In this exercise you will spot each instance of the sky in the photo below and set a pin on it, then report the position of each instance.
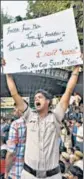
(14, 8)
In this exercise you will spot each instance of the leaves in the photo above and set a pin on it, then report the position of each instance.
(5, 18)
(40, 8)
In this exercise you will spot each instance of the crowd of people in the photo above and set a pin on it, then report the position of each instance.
(46, 142)
(70, 141)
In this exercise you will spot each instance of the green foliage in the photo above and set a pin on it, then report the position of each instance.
(42, 8)
(18, 18)
(78, 12)
(5, 18)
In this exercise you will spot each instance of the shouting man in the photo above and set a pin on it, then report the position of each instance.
(43, 128)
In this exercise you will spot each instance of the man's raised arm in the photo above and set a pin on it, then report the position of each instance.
(14, 93)
(70, 87)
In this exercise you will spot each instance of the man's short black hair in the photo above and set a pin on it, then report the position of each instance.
(79, 121)
(46, 94)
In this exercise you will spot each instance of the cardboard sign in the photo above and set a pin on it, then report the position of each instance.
(42, 43)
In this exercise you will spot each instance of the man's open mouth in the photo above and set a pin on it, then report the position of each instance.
(38, 104)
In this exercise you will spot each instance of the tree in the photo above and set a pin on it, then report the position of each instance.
(18, 18)
(5, 18)
(40, 8)
(78, 12)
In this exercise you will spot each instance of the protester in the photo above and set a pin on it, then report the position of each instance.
(79, 135)
(16, 148)
(16, 145)
(75, 155)
(43, 130)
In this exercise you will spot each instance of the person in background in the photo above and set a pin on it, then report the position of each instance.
(81, 109)
(55, 101)
(74, 131)
(6, 129)
(79, 135)
(62, 149)
(79, 162)
(15, 149)
(77, 114)
(3, 146)
(70, 151)
(64, 157)
(72, 99)
(75, 173)
(3, 151)
(67, 136)
(73, 159)
(3, 124)
(77, 98)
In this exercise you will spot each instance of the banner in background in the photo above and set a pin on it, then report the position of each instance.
(8, 102)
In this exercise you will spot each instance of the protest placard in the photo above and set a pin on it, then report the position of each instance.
(42, 43)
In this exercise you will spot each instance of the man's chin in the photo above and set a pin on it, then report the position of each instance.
(38, 109)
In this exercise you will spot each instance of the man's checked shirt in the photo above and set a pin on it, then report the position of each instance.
(16, 144)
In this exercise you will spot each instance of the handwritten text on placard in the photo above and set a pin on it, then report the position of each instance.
(46, 42)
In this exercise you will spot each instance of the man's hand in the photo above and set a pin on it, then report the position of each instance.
(3, 62)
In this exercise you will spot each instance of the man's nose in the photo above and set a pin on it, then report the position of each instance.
(37, 100)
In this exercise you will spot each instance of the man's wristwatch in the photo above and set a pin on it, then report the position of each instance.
(76, 74)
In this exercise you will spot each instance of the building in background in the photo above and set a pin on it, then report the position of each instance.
(7, 105)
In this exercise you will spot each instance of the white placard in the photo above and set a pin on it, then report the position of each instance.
(45, 42)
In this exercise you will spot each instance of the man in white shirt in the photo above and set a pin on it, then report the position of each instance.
(43, 130)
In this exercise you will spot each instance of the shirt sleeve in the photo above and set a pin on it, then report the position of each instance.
(59, 112)
(13, 138)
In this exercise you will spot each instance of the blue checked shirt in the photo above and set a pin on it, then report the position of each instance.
(16, 145)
